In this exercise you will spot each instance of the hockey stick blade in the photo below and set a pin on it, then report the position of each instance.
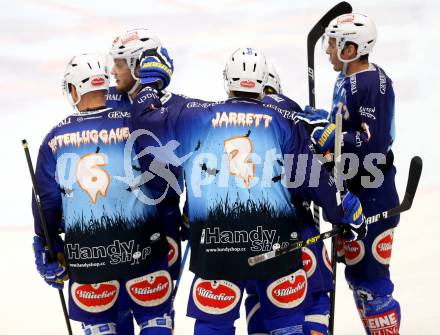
(414, 174)
(319, 28)
(415, 171)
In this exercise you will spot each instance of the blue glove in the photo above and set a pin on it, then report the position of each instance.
(146, 99)
(156, 66)
(313, 115)
(324, 137)
(353, 218)
(53, 272)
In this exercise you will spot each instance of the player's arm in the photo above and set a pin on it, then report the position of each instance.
(50, 193)
(361, 104)
(53, 271)
(319, 186)
(373, 132)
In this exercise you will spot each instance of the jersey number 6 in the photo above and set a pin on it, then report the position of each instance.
(91, 177)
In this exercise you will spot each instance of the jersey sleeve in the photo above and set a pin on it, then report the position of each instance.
(317, 184)
(371, 112)
(292, 105)
(50, 192)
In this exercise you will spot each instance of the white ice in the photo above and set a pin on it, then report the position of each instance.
(39, 37)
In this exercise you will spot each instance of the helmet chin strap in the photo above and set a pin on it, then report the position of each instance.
(345, 62)
(133, 89)
(344, 68)
(74, 103)
(136, 84)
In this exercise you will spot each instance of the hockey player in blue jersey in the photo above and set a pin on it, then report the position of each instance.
(234, 218)
(315, 257)
(365, 95)
(115, 247)
(125, 52)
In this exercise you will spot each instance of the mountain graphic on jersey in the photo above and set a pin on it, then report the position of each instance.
(90, 173)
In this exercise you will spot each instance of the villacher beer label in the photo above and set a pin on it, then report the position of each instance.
(95, 298)
(150, 290)
(382, 246)
(354, 252)
(173, 253)
(288, 291)
(309, 261)
(215, 296)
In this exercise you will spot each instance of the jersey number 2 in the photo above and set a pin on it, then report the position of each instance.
(239, 149)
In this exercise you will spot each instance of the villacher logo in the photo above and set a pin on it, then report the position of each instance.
(215, 296)
(95, 298)
(150, 290)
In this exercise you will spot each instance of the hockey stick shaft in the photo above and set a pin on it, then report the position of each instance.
(179, 277)
(182, 266)
(45, 228)
(312, 38)
(337, 175)
(415, 171)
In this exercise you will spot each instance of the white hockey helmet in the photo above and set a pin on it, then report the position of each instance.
(273, 79)
(132, 44)
(246, 71)
(355, 28)
(87, 72)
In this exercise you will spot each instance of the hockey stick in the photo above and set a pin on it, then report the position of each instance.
(182, 265)
(44, 226)
(337, 175)
(179, 277)
(415, 171)
(314, 35)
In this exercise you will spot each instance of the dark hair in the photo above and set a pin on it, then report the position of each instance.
(269, 90)
(240, 94)
(363, 58)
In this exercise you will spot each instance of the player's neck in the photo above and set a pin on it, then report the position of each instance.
(133, 94)
(91, 102)
(357, 66)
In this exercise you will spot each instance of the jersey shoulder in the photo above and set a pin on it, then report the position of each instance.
(78, 120)
(282, 101)
(170, 98)
(117, 100)
(114, 95)
(283, 106)
(371, 82)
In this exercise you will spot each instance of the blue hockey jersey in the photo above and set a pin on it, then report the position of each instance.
(368, 127)
(89, 189)
(236, 156)
(168, 210)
